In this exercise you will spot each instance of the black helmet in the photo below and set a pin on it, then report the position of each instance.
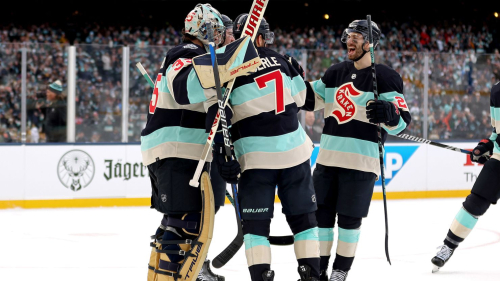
(228, 23)
(361, 26)
(267, 34)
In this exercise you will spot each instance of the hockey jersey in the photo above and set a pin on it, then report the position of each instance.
(495, 118)
(349, 140)
(172, 129)
(265, 129)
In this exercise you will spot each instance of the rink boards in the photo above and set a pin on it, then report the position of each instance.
(47, 176)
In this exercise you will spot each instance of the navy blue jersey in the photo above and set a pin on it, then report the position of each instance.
(349, 140)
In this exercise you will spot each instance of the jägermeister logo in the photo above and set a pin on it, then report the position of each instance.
(76, 169)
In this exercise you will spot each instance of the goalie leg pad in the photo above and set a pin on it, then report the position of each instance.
(187, 239)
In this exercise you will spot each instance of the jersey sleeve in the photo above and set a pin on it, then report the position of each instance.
(294, 82)
(390, 87)
(315, 95)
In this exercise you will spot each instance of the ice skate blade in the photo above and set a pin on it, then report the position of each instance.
(435, 269)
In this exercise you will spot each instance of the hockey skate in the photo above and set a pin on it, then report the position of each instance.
(206, 273)
(338, 275)
(305, 273)
(268, 275)
(441, 258)
(323, 276)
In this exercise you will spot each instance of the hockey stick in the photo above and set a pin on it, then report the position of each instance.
(145, 74)
(250, 29)
(379, 135)
(421, 140)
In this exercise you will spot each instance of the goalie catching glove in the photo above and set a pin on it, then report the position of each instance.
(380, 111)
(482, 152)
(229, 170)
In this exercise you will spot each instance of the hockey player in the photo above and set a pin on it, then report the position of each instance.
(228, 24)
(348, 161)
(273, 150)
(486, 189)
(171, 144)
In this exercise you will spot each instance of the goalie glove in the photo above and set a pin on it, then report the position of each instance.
(380, 111)
(229, 169)
(296, 65)
(482, 152)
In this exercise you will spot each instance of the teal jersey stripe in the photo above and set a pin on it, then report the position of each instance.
(466, 219)
(173, 134)
(309, 234)
(255, 240)
(281, 143)
(493, 138)
(350, 145)
(349, 235)
(495, 113)
(326, 234)
(297, 84)
(399, 128)
(358, 100)
(249, 92)
(319, 87)
(196, 94)
(391, 96)
(163, 87)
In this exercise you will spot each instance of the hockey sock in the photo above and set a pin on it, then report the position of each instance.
(306, 241)
(349, 230)
(326, 222)
(257, 247)
(462, 225)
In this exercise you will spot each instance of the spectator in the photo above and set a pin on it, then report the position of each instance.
(312, 130)
(54, 111)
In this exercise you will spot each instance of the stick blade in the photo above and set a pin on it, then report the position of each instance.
(228, 253)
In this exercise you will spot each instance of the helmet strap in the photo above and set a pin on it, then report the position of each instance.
(362, 55)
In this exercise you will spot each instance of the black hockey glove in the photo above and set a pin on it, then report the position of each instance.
(380, 111)
(482, 152)
(229, 170)
(296, 65)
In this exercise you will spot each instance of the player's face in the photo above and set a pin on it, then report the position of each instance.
(229, 36)
(355, 42)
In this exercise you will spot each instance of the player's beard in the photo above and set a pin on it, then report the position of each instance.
(357, 53)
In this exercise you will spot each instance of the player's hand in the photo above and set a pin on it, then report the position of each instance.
(296, 65)
(380, 111)
(229, 169)
(482, 152)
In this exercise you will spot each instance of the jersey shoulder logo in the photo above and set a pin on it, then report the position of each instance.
(353, 76)
(190, 46)
(342, 98)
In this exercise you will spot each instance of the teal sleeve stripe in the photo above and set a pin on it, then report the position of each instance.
(350, 145)
(309, 234)
(163, 87)
(363, 99)
(173, 134)
(240, 58)
(319, 87)
(326, 234)
(495, 113)
(196, 94)
(281, 143)
(466, 219)
(255, 240)
(398, 129)
(297, 85)
(493, 138)
(349, 235)
(330, 95)
(391, 96)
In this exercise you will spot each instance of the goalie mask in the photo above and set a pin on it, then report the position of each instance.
(196, 20)
(264, 30)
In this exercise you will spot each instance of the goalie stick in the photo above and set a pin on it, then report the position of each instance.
(379, 135)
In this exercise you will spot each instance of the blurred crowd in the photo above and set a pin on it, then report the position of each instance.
(464, 62)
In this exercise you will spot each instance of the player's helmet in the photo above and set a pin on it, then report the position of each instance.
(361, 26)
(228, 23)
(195, 24)
(267, 34)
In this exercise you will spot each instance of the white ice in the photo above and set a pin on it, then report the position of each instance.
(113, 244)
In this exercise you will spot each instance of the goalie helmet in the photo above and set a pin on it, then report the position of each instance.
(264, 30)
(195, 24)
(361, 26)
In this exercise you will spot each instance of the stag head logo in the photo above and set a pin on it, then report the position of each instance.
(76, 169)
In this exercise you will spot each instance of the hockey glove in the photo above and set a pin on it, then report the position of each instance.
(482, 152)
(229, 169)
(380, 111)
(296, 65)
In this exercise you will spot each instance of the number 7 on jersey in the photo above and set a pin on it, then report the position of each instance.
(262, 82)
